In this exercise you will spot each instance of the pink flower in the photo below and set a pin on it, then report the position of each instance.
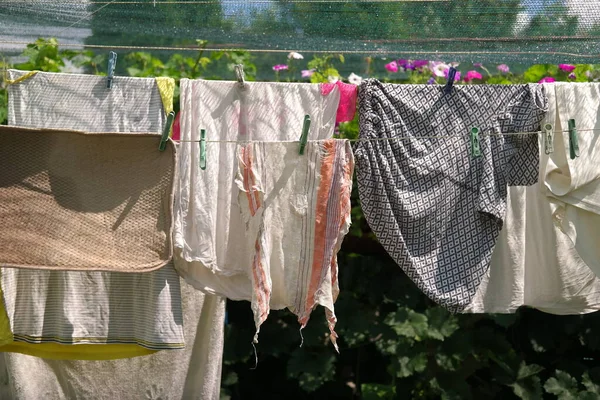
(307, 73)
(280, 67)
(503, 68)
(456, 77)
(547, 79)
(472, 75)
(567, 67)
(392, 67)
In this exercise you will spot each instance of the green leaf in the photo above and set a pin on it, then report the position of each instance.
(311, 370)
(590, 385)
(564, 386)
(132, 71)
(442, 324)
(407, 366)
(581, 72)
(536, 72)
(526, 371)
(588, 396)
(230, 379)
(451, 388)
(408, 323)
(528, 389)
(373, 391)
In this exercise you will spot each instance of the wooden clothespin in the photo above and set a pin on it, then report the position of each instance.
(112, 63)
(166, 131)
(573, 140)
(304, 136)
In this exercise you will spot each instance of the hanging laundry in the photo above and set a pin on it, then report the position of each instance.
(45, 100)
(296, 209)
(348, 95)
(128, 314)
(217, 247)
(573, 183)
(436, 207)
(535, 264)
(80, 201)
(193, 373)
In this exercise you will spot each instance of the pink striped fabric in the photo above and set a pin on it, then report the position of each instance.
(297, 211)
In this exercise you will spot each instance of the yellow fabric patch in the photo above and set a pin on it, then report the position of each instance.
(166, 88)
(55, 351)
(21, 79)
(6, 335)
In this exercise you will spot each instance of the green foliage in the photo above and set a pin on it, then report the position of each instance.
(394, 342)
(324, 67)
(44, 55)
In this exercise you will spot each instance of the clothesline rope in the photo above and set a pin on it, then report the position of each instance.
(393, 138)
(365, 52)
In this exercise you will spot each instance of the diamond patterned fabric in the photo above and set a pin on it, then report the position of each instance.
(435, 208)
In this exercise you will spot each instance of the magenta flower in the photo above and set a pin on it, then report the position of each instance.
(392, 67)
(420, 63)
(547, 79)
(456, 77)
(402, 63)
(472, 75)
(566, 67)
(503, 68)
(572, 76)
(307, 73)
(280, 67)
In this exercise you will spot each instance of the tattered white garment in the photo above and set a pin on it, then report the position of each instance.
(214, 236)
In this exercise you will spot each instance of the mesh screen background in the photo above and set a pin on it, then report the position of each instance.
(517, 31)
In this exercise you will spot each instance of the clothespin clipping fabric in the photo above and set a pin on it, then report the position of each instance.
(573, 140)
(548, 139)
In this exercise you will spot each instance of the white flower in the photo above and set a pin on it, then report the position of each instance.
(70, 68)
(439, 69)
(332, 79)
(295, 56)
(354, 79)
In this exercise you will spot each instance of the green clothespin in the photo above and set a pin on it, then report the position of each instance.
(548, 139)
(165, 135)
(304, 137)
(573, 140)
(112, 63)
(202, 149)
(475, 148)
